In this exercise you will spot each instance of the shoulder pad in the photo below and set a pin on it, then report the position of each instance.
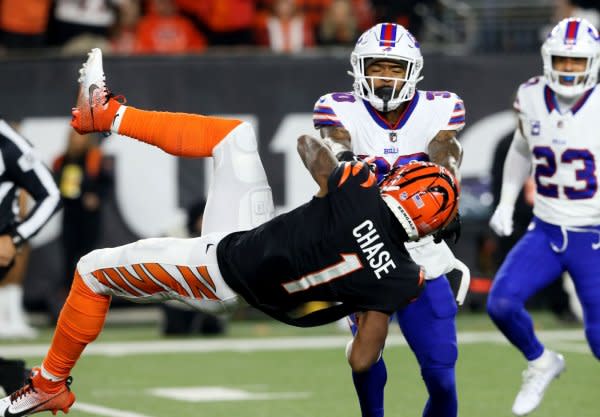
(324, 113)
(450, 107)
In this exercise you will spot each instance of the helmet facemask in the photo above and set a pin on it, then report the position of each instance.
(385, 98)
(581, 81)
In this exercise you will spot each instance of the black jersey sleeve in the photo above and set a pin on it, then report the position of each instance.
(27, 171)
(351, 174)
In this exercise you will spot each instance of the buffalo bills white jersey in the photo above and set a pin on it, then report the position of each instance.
(384, 145)
(565, 151)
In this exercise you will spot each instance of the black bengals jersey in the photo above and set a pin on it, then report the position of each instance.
(346, 248)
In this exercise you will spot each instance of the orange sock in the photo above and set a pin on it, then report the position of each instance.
(80, 322)
(179, 134)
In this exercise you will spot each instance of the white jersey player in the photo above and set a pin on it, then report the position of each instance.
(557, 141)
(387, 122)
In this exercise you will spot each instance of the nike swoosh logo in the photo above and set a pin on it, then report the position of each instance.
(7, 413)
(115, 119)
(91, 90)
(208, 246)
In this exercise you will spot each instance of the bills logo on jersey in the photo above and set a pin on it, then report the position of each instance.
(535, 127)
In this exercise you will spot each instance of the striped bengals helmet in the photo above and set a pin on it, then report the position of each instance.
(422, 195)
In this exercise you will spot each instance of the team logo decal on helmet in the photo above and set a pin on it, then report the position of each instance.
(390, 42)
(576, 38)
(422, 195)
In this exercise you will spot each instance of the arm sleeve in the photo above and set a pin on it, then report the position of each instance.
(28, 172)
(517, 167)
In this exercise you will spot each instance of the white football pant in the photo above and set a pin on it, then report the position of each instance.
(160, 269)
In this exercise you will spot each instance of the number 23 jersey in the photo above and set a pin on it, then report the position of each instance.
(565, 151)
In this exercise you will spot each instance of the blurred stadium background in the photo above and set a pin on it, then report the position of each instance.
(480, 49)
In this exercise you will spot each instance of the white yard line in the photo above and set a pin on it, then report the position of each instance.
(270, 344)
(99, 410)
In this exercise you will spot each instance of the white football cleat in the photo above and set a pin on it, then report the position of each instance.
(31, 399)
(95, 107)
(536, 380)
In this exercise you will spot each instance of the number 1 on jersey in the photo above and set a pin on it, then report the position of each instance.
(350, 263)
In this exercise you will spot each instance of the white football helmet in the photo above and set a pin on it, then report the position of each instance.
(577, 38)
(386, 41)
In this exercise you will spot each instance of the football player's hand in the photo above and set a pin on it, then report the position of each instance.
(451, 232)
(502, 220)
(7, 250)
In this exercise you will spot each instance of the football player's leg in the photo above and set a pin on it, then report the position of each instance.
(530, 266)
(239, 197)
(583, 263)
(162, 268)
(429, 328)
(79, 323)
(180, 134)
(369, 385)
(147, 270)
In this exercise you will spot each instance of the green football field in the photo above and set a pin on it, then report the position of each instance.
(265, 369)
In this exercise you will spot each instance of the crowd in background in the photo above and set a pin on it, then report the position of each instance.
(285, 26)
(184, 26)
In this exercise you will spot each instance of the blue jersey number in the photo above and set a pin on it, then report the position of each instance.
(549, 166)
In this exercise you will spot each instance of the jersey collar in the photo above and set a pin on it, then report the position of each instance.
(551, 104)
(382, 122)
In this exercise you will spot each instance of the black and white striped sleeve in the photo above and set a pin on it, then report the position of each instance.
(26, 170)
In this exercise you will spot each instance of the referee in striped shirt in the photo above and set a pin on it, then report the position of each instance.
(20, 169)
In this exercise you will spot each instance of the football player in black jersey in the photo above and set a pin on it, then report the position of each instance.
(345, 246)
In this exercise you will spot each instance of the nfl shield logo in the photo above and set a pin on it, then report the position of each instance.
(535, 127)
(393, 137)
